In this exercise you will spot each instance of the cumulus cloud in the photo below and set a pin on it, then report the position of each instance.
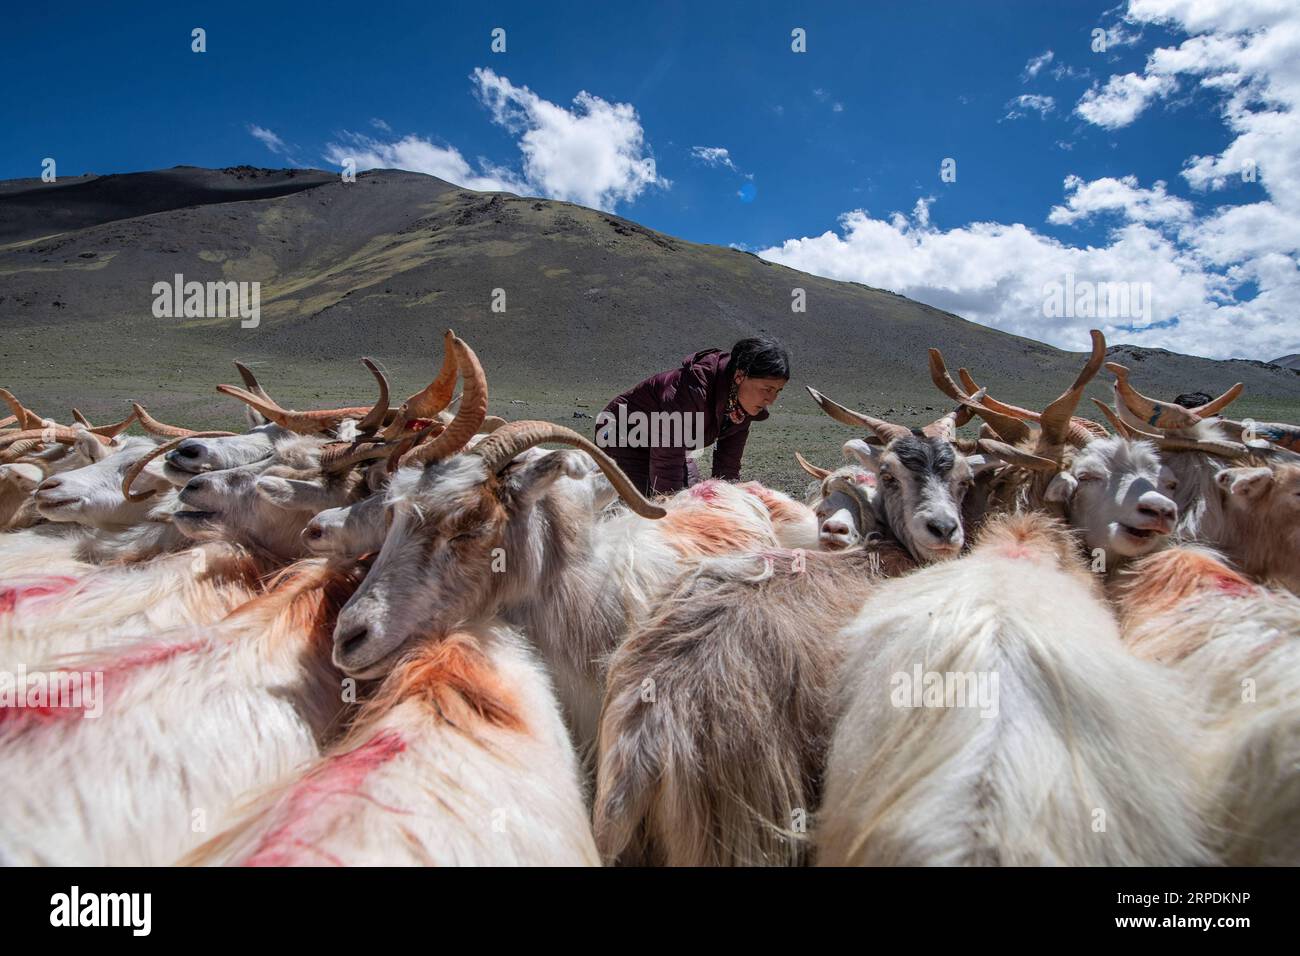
(1223, 281)
(594, 154)
(419, 155)
(1087, 199)
(1030, 102)
(1122, 99)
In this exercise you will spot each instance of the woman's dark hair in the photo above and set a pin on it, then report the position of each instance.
(760, 358)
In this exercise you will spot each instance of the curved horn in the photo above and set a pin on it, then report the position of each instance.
(1011, 429)
(374, 419)
(1054, 423)
(19, 448)
(500, 448)
(112, 431)
(340, 456)
(1079, 433)
(818, 473)
(1122, 428)
(1150, 411)
(946, 426)
(434, 397)
(26, 418)
(8, 420)
(1277, 433)
(63, 434)
(80, 418)
(470, 415)
(1014, 456)
(304, 423)
(1220, 403)
(155, 427)
(251, 383)
(139, 464)
(1207, 446)
(885, 431)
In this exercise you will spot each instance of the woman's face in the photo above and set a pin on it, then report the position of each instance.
(755, 394)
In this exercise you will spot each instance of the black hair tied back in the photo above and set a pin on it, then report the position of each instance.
(761, 358)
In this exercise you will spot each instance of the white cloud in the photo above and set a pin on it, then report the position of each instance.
(1224, 280)
(1086, 199)
(714, 156)
(273, 142)
(268, 139)
(1027, 102)
(420, 156)
(594, 154)
(1035, 64)
(381, 125)
(1122, 99)
(996, 274)
(837, 107)
(1065, 71)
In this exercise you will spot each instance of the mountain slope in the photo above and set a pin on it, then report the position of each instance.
(379, 267)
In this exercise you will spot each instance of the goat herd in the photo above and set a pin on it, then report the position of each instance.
(412, 636)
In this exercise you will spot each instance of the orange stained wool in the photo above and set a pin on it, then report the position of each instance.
(699, 532)
(781, 509)
(1170, 579)
(1029, 536)
(453, 679)
(303, 599)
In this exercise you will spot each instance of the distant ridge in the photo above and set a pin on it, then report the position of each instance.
(593, 302)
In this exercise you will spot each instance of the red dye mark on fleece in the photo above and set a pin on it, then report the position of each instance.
(1233, 586)
(111, 673)
(705, 490)
(41, 587)
(344, 775)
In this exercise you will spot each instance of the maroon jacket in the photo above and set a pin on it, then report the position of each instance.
(700, 384)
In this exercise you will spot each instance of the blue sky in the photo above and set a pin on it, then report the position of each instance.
(823, 148)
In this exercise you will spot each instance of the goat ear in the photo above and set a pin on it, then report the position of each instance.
(1247, 483)
(293, 494)
(523, 484)
(866, 455)
(89, 446)
(603, 494)
(254, 417)
(1062, 487)
(23, 476)
(153, 477)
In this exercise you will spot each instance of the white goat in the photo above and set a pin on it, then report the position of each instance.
(1079, 754)
(461, 759)
(191, 719)
(1237, 645)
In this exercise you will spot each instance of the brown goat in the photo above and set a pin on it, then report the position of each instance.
(716, 721)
